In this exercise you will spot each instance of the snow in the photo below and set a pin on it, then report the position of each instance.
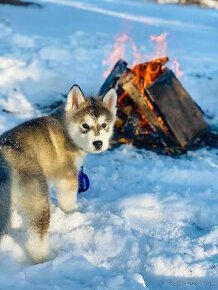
(147, 221)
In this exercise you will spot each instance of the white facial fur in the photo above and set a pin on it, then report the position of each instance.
(85, 140)
(83, 137)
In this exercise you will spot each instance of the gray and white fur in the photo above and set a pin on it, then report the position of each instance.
(51, 148)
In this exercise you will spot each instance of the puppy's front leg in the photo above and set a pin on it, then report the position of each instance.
(67, 189)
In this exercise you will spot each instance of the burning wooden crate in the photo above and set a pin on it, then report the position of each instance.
(154, 109)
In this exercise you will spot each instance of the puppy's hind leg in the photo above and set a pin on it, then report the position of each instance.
(34, 204)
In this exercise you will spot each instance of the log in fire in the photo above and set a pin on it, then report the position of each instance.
(154, 109)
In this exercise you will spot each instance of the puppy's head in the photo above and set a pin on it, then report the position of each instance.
(90, 121)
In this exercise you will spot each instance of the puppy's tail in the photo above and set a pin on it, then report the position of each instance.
(5, 195)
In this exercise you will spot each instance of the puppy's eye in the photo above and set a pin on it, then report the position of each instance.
(85, 126)
(104, 125)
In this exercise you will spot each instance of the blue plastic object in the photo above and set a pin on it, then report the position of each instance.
(83, 181)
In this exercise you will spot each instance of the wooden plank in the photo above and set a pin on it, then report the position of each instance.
(110, 82)
(143, 108)
(182, 115)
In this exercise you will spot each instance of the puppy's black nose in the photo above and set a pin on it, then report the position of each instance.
(97, 144)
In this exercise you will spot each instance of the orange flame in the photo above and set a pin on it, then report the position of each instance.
(119, 50)
(160, 43)
(144, 74)
(137, 56)
(176, 68)
(147, 72)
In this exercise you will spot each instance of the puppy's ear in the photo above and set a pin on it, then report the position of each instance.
(75, 98)
(110, 99)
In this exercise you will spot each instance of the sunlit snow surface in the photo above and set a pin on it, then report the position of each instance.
(147, 220)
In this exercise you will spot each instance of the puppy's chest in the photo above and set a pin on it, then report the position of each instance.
(65, 163)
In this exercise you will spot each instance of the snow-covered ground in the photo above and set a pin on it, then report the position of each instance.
(147, 220)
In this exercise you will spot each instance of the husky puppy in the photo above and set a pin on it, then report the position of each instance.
(51, 148)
